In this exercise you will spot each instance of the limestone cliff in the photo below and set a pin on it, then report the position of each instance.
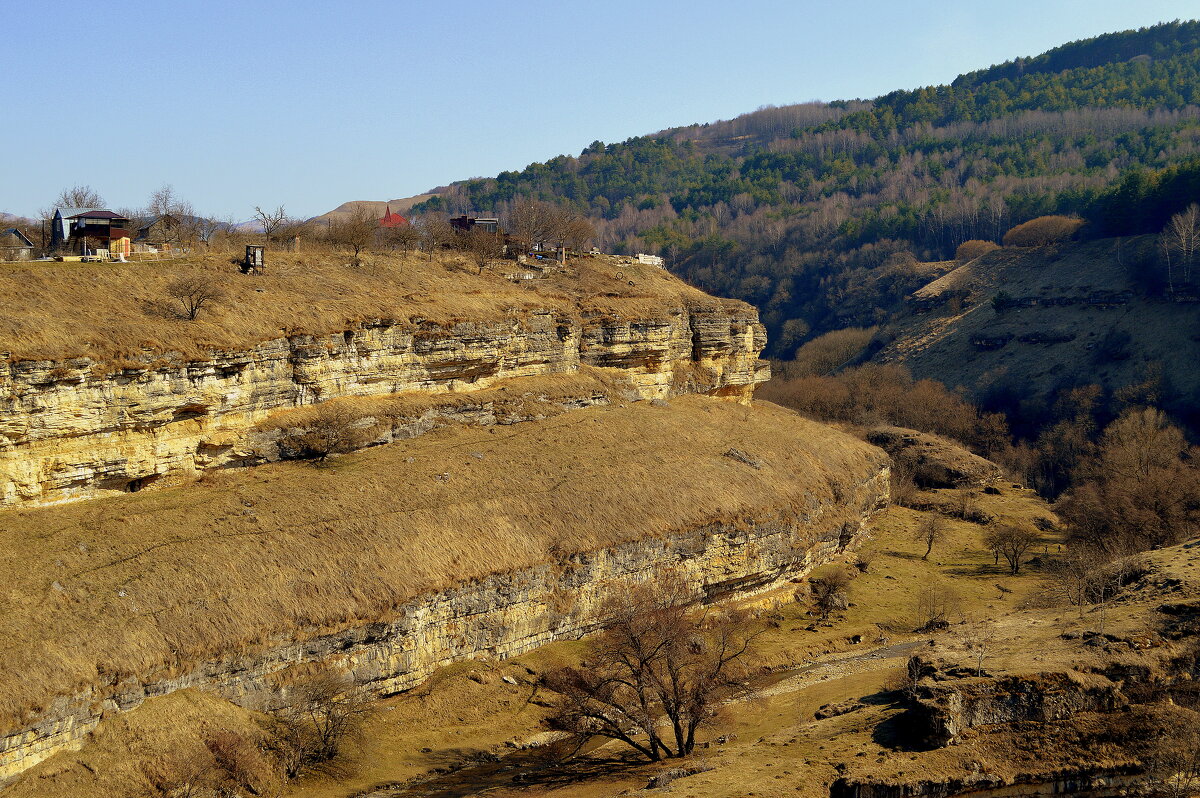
(465, 542)
(69, 430)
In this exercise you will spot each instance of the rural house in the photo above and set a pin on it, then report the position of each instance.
(15, 245)
(86, 229)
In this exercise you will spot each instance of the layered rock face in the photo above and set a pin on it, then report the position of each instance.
(504, 614)
(67, 432)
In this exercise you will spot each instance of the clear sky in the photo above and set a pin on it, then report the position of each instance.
(309, 104)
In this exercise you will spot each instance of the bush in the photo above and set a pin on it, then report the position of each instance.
(333, 429)
(830, 591)
(1042, 231)
(975, 248)
(325, 709)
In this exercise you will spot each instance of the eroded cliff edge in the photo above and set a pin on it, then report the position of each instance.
(468, 541)
(116, 420)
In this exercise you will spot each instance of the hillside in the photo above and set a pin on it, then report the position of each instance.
(400, 559)
(400, 206)
(1077, 316)
(793, 208)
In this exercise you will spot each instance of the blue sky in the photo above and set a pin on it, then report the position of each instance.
(310, 104)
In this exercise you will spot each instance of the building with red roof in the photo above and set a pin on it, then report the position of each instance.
(392, 219)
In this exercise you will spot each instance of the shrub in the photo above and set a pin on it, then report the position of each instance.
(830, 591)
(975, 248)
(826, 353)
(333, 429)
(1042, 231)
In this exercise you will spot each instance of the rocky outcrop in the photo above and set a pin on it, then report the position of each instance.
(943, 710)
(73, 429)
(933, 461)
(499, 616)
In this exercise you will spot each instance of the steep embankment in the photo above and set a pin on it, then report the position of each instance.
(105, 391)
(467, 541)
(1074, 317)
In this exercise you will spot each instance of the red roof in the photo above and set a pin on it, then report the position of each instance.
(392, 219)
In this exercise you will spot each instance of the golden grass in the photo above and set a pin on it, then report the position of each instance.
(117, 312)
(151, 583)
(778, 749)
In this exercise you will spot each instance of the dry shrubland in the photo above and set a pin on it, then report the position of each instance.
(875, 394)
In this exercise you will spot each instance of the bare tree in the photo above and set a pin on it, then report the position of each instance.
(272, 221)
(978, 640)
(333, 429)
(482, 246)
(78, 197)
(193, 294)
(435, 231)
(1180, 242)
(935, 604)
(1011, 543)
(357, 231)
(656, 675)
(324, 710)
(931, 530)
(403, 238)
(830, 591)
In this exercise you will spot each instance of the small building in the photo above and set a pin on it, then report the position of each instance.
(489, 224)
(392, 220)
(15, 245)
(86, 230)
(159, 232)
(650, 260)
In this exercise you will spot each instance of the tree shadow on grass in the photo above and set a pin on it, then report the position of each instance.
(456, 776)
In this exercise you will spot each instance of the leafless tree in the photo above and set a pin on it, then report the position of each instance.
(1011, 543)
(357, 231)
(655, 675)
(830, 591)
(936, 603)
(435, 232)
(403, 238)
(333, 429)
(482, 246)
(930, 531)
(1180, 242)
(272, 221)
(78, 197)
(193, 294)
(978, 639)
(323, 711)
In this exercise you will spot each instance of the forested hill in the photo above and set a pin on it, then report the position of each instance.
(817, 212)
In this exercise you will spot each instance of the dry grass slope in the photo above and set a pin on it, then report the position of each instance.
(152, 583)
(111, 312)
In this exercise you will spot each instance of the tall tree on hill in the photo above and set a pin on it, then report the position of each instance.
(1180, 241)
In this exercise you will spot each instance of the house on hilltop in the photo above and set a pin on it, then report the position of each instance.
(86, 229)
(15, 245)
